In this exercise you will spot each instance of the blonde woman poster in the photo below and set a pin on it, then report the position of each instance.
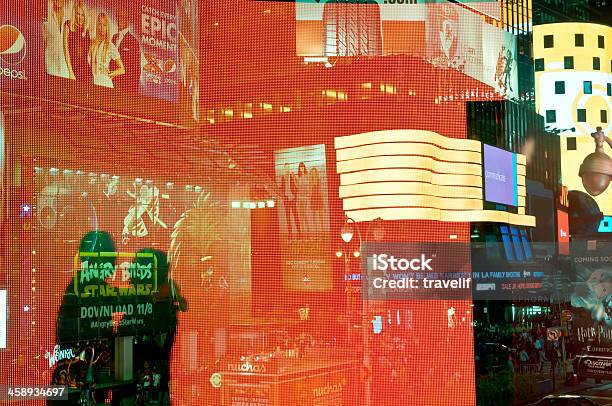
(77, 41)
(102, 52)
(53, 38)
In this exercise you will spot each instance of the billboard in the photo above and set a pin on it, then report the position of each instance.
(573, 94)
(592, 283)
(131, 48)
(500, 180)
(447, 35)
(138, 50)
(301, 177)
(499, 67)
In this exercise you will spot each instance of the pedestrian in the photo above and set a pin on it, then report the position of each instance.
(146, 381)
(523, 358)
(542, 358)
(156, 384)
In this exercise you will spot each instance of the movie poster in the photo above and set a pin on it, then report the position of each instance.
(129, 46)
(301, 177)
(591, 298)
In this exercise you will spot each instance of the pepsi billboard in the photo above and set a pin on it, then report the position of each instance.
(136, 58)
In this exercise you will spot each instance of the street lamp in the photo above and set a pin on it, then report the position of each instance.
(347, 231)
(596, 169)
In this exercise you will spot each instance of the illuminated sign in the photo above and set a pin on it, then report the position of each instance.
(3, 318)
(572, 95)
(145, 48)
(421, 175)
(563, 230)
(96, 275)
(58, 355)
(500, 176)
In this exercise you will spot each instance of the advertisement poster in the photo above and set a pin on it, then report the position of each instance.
(188, 56)
(591, 299)
(130, 46)
(454, 39)
(500, 181)
(499, 56)
(595, 367)
(301, 178)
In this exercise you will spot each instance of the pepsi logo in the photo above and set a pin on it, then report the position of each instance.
(12, 45)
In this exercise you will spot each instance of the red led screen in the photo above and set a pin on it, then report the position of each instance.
(206, 263)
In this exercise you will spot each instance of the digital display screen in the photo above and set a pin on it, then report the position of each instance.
(446, 35)
(500, 181)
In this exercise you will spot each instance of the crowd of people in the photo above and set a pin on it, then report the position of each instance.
(153, 384)
(521, 349)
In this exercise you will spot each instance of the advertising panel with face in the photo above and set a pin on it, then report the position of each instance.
(301, 177)
(591, 299)
(500, 181)
(584, 106)
(130, 47)
(454, 38)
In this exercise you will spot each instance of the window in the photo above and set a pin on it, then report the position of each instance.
(581, 115)
(601, 41)
(526, 244)
(568, 62)
(587, 87)
(507, 243)
(539, 64)
(603, 115)
(516, 242)
(560, 87)
(609, 89)
(596, 64)
(551, 116)
(579, 40)
(548, 41)
(571, 143)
